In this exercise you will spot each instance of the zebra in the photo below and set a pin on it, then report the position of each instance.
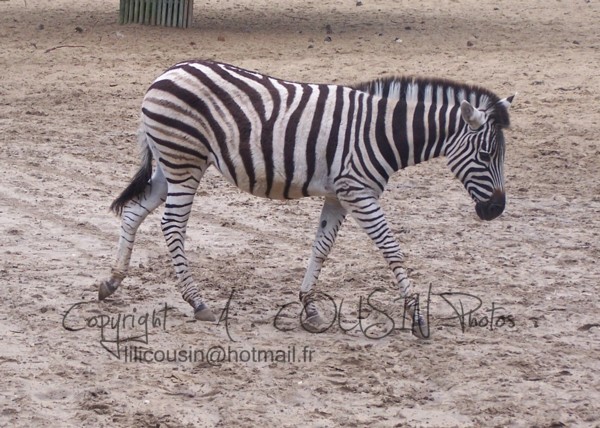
(282, 140)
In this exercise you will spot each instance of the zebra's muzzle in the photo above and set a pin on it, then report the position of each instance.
(491, 208)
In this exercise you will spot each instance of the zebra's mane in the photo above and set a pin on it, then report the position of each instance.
(417, 89)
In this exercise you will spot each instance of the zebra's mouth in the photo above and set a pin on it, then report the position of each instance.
(491, 208)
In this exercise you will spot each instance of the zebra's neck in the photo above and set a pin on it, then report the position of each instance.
(422, 116)
(420, 130)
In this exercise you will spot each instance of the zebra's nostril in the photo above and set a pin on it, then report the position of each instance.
(496, 210)
(491, 209)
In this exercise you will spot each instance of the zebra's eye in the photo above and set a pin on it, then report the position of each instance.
(484, 156)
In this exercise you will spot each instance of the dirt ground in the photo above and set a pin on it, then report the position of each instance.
(72, 82)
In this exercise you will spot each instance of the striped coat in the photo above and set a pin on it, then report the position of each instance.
(282, 140)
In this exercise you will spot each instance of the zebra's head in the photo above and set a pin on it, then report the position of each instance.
(477, 156)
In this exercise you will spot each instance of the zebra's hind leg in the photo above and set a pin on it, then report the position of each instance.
(134, 213)
(367, 212)
(178, 207)
(332, 216)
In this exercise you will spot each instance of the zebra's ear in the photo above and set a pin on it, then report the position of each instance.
(506, 102)
(475, 118)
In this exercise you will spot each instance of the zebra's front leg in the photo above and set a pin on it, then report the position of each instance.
(367, 212)
(178, 207)
(332, 216)
(134, 213)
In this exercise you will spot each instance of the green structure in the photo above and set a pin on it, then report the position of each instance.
(168, 13)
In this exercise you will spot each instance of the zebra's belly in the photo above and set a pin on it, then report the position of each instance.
(276, 184)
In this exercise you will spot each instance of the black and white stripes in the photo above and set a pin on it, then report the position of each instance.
(283, 140)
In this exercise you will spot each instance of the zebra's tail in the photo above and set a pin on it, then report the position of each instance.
(139, 181)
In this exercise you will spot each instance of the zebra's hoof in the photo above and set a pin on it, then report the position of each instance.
(314, 324)
(202, 313)
(420, 329)
(105, 289)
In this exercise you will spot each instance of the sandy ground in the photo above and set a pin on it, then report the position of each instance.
(72, 82)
